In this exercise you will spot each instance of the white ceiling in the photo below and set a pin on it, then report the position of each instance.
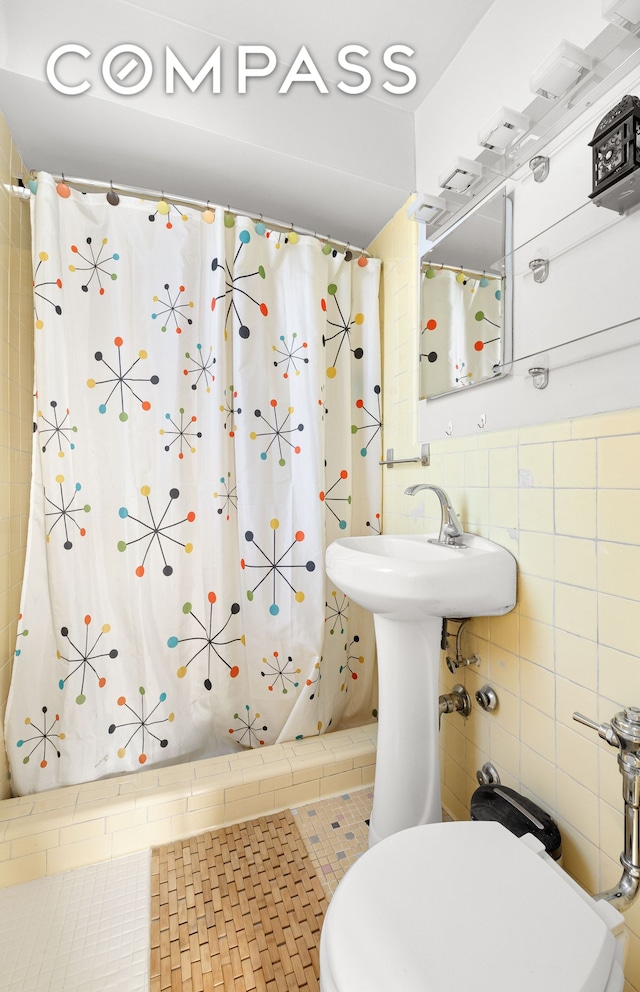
(337, 164)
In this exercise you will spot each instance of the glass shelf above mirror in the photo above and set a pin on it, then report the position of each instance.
(606, 340)
(583, 224)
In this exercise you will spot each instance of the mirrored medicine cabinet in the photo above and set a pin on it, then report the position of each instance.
(466, 293)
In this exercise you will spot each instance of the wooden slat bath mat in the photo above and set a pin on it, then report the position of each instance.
(236, 910)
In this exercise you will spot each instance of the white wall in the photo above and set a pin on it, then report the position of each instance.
(492, 70)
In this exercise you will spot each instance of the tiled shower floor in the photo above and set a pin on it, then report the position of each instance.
(84, 930)
(88, 930)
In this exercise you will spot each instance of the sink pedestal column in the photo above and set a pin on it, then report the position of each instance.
(407, 780)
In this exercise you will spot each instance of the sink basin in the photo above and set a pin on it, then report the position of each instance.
(410, 585)
(409, 577)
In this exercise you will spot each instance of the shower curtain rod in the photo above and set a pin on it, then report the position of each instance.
(100, 186)
(461, 268)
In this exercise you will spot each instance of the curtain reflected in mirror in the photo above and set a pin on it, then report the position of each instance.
(463, 305)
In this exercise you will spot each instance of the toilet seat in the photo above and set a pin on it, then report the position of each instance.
(446, 906)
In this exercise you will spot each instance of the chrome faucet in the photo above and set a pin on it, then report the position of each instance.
(450, 527)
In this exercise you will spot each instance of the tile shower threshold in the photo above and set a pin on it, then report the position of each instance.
(53, 832)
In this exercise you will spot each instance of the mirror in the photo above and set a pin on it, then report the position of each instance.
(465, 285)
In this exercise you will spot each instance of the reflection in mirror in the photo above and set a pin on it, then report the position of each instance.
(465, 301)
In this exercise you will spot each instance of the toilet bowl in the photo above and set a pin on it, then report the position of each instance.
(449, 906)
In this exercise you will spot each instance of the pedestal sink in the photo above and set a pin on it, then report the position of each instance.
(410, 583)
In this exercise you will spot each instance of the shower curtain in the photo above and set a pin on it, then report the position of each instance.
(207, 419)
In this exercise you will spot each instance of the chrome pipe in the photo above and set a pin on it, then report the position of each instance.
(624, 733)
(624, 894)
(456, 701)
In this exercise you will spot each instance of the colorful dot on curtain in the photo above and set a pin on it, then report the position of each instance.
(163, 207)
(244, 237)
(498, 294)
(480, 315)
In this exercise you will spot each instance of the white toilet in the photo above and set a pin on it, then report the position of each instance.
(468, 906)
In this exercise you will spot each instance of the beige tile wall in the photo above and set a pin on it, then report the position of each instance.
(564, 498)
(16, 411)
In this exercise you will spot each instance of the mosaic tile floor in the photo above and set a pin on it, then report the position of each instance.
(335, 832)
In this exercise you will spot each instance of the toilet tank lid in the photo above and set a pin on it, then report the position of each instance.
(428, 902)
